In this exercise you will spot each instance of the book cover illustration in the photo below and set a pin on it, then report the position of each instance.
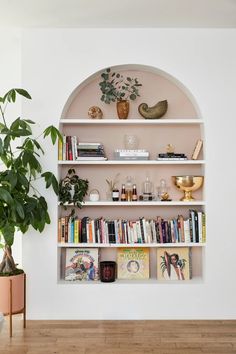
(81, 264)
(174, 263)
(133, 263)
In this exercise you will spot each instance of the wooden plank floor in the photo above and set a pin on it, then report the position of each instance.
(120, 337)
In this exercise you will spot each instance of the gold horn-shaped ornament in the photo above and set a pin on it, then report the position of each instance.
(154, 112)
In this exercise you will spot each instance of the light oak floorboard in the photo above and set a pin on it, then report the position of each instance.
(119, 337)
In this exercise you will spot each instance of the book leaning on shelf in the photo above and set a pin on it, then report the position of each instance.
(133, 263)
(141, 231)
(174, 264)
(81, 264)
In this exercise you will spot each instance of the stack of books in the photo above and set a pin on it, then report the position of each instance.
(90, 151)
(171, 156)
(120, 154)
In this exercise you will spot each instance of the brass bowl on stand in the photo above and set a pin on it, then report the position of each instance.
(188, 184)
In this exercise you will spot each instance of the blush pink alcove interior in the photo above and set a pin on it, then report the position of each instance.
(156, 86)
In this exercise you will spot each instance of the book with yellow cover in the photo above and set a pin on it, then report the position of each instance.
(174, 263)
(133, 263)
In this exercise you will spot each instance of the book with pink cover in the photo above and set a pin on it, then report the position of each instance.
(133, 263)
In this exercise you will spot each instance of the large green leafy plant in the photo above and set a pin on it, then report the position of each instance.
(21, 205)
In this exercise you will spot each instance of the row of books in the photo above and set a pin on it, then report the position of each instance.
(82, 264)
(71, 150)
(71, 229)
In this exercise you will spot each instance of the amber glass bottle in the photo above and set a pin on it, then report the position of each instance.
(134, 193)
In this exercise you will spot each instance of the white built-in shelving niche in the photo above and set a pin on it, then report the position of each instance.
(180, 126)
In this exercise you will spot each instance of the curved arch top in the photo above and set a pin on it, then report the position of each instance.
(157, 85)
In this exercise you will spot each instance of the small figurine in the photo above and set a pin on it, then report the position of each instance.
(95, 112)
(170, 149)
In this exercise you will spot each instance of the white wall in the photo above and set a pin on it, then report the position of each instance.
(54, 62)
(10, 76)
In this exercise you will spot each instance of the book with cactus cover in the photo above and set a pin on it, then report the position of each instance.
(133, 263)
(174, 263)
(81, 264)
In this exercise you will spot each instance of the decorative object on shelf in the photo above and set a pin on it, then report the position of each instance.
(94, 195)
(162, 191)
(123, 193)
(111, 186)
(72, 189)
(115, 195)
(134, 193)
(128, 188)
(170, 149)
(122, 108)
(117, 88)
(197, 149)
(107, 271)
(95, 112)
(21, 205)
(131, 142)
(188, 184)
(154, 112)
(147, 191)
(174, 264)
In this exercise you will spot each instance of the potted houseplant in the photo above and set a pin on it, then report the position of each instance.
(117, 88)
(72, 189)
(21, 205)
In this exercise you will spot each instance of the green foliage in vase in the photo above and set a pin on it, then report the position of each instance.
(116, 87)
(21, 205)
(72, 189)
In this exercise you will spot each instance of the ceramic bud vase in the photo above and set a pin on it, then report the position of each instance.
(122, 109)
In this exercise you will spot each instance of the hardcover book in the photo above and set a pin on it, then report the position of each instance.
(81, 264)
(133, 263)
(174, 263)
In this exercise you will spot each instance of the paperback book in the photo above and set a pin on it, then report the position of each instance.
(133, 263)
(174, 264)
(81, 264)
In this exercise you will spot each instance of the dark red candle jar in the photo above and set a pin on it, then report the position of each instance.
(107, 271)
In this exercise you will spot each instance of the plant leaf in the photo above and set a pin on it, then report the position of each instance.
(5, 196)
(23, 92)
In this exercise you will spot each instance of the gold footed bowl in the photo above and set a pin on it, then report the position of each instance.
(188, 184)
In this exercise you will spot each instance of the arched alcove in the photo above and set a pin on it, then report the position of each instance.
(157, 85)
(180, 126)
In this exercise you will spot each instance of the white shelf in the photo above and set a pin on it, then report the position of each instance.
(154, 281)
(140, 121)
(132, 162)
(125, 245)
(140, 203)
